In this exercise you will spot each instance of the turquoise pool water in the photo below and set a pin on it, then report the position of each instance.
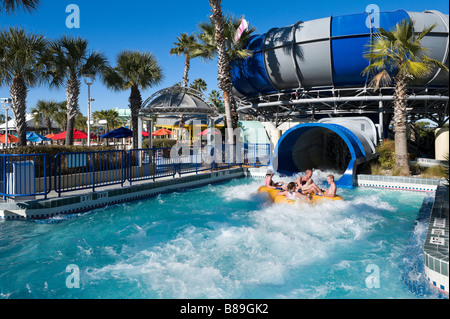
(219, 241)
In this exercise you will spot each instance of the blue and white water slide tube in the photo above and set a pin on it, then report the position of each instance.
(328, 53)
(340, 146)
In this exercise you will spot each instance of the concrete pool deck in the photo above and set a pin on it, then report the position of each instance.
(436, 249)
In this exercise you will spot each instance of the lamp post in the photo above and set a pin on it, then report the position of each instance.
(89, 79)
(6, 102)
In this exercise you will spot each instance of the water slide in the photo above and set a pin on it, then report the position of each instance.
(327, 54)
(337, 145)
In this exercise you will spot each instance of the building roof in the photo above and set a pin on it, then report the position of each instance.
(178, 100)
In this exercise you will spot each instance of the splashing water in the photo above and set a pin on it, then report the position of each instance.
(217, 241)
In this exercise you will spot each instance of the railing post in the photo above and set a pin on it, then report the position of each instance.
(45, 176)
(4, 176)
(93, 172)
(58, 156)
(153, 152)
(123, 159)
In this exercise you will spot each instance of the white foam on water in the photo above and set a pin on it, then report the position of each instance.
(219, 260)
(241, 192)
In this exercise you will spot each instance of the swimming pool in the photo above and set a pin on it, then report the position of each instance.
(219, 241)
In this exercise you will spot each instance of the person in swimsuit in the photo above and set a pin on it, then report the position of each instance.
(331, 192)
(307, 185)
(270, 183)
(291, 192)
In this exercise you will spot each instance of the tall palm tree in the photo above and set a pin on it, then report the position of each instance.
(399, 56)
(185, 46)
(12, 6)
(69, 59)
(45, 111)
(21, 67)
(218, 36)
(135, 71)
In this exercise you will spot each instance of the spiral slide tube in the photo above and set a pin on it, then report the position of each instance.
(328, 53)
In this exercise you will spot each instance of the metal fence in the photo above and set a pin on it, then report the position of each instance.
(38, 174)
(25, 175)
(83, 170)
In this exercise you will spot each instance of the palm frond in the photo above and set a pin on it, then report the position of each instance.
(13, 6)
(382, 79)
(434, 62)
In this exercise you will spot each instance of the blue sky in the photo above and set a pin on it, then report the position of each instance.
(113, 26)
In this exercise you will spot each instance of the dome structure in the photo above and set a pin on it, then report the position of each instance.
(178, 100)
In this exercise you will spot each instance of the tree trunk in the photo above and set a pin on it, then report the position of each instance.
(72, 94)
(223, 65)
(187, 67)
(135, 105)
(18, 92)
(400, 121)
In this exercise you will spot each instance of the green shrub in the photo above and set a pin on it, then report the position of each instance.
(52, 150)
(386, 154)
(159, 143)
(435, 171)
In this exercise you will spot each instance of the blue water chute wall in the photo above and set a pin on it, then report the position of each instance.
(305, 147)
(328, 52)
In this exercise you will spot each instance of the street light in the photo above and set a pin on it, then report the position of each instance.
(6, 102)
(89, 79)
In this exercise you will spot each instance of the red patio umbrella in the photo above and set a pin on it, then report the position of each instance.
(11, 139)
(161, 132)
(77, 135)
(205, 132)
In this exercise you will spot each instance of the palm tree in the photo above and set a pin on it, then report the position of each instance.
(199, 85)
(218, 36)
(45, 110)
(111, 117)
(21, 67)
(69, 59)
(399, 56)
(60, 117)
(186, 45)
(12, 6)
(135, 71)
(80, 122)
(215, 98)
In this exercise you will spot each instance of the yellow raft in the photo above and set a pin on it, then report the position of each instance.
(273, 193)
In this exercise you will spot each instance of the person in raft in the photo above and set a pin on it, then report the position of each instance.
(270, 183)
(331, 191)
(292, 193)
(306, 185)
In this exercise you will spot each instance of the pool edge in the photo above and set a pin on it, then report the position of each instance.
(87, 201)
